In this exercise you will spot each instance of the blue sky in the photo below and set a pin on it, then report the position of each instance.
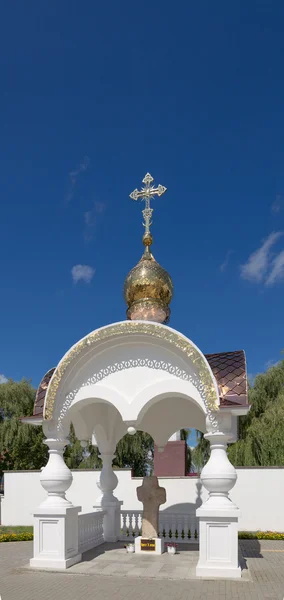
(94, 95)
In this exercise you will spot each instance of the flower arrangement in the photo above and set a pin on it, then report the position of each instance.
(130, 547)
(172, 547)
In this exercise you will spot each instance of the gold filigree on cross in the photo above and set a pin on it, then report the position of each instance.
(147, 192)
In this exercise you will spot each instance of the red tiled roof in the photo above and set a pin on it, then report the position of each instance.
(229, 369)
(41, 391)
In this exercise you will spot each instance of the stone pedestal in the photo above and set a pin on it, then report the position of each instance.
(218, 548)
(56, 538)
(218, 516)
(141, 545)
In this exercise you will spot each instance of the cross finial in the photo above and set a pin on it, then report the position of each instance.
(146, 193)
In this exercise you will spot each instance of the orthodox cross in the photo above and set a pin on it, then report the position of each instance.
(146, 193)
(152, 496)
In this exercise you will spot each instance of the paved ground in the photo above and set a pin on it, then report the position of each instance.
(264, 578)
(112, 559)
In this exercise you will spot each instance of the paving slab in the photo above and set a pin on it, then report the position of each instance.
(126, 576)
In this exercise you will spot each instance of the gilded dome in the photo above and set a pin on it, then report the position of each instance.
(148, 289)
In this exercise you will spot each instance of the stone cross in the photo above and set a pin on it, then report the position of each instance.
(152, 496)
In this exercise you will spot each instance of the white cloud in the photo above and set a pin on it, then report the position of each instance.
(82, 273)
(73, 176)
(3, 379)
(91, 219)
(259, 261)
(277, 271)
(271, 363)
(278, 204)
(224, 264)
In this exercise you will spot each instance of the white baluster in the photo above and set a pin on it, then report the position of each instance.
(136, 532)
(124, 525)
(167, 530)
(179, 527)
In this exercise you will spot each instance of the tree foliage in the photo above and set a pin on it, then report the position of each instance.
(261, 431)
(77, 457)
(184, 433)
(201, 452)
(136, 452)
(21, 445)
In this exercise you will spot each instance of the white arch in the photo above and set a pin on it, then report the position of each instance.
(112, 341)
(168, 387)
(95, 393)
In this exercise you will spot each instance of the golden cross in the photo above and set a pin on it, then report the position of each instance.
(146, 193)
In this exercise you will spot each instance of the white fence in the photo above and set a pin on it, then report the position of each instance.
(259, 494)
(90, 530)
(180, 528)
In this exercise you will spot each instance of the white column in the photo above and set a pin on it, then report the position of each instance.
(107, 484)
(218, 515)
(56, 519)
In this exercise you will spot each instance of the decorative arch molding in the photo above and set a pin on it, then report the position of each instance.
(154, 393)
(207, 383)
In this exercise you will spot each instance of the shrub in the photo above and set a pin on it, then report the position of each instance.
(260, 535)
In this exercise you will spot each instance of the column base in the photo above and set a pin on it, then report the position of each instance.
(61, 563)
(159, 545)
(218, 543)
(217, 573)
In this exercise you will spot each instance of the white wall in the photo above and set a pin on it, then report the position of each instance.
(258, 493)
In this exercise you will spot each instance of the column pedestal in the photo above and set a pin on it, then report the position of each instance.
(56, 538)
(218, 549)
(218, 515)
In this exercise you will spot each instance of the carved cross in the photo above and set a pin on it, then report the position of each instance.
(152, 496)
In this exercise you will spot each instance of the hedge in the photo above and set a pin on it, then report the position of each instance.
(243, 535)
(260, 535)
(16, 537)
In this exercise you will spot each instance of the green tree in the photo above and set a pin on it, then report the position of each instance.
(77, 457)
(184, 433)
(136, 452)
(201, 452)
(261, 431)
(21, 445)
(265, 390)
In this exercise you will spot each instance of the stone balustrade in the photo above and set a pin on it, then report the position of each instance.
(90, 530)
(174, 527)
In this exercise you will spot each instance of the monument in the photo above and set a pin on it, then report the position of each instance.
(152, 496)
(140, 375)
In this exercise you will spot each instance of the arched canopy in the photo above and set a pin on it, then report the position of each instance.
(139, 373)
